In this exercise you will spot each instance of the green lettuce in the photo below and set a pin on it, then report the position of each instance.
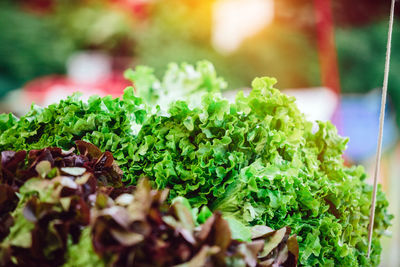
(82, 253)
(257, 160)
(180, 82)
(108, 123)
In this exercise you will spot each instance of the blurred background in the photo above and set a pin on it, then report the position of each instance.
(328, 53)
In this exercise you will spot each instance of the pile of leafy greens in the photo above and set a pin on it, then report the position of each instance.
(64, 209)
(256, 160)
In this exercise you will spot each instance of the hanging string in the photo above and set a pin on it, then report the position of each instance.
(380, 135)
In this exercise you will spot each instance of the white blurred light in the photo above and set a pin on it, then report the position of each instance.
(235, 20)
(316, 103)
(88, 67)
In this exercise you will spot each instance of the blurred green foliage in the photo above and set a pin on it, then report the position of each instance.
(95, 25)
(281, 52)
(181, 35)
(35, 45)
(29, 47)
(361, 53)
(185, 34)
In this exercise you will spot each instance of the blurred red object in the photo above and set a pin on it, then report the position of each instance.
(327, 52)
(44, 90)
(38, 6)
(138, 7)
(326, 45)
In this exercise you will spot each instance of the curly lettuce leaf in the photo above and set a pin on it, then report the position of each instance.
(180, 82)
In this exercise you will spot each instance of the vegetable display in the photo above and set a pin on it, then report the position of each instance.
(256, 160)
(22, 49)
(65, 205)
